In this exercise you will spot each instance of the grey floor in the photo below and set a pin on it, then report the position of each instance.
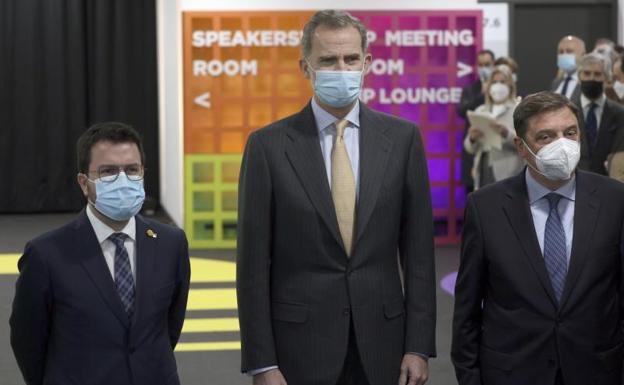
(195, 368)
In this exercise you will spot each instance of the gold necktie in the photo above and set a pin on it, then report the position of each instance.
(343, 186)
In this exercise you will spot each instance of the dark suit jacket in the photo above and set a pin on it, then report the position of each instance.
(68, 325)
(611, 124)
(471, 98)
(507, 327)
(297, 290)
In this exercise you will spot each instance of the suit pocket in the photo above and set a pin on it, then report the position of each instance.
(610, 359)
(394, 308)
(289, 312)
(494, 359)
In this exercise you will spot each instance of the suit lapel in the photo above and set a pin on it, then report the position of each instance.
(89, 252)
(146, 247)
(374, 151)
(518, 212)
(304, 153)
(586, 211)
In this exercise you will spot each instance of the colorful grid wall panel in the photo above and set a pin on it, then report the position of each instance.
(231, 90)
(211, 200)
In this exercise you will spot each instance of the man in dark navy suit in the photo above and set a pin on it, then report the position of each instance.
(539, 289)
(102, 299)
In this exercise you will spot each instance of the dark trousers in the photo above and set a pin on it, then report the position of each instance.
(352, 371)
(558, 379)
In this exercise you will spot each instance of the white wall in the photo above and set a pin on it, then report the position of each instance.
(170, 108)
(170, 67)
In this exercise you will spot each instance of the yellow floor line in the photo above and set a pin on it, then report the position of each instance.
(207, 346)
(8, 263)
(202, 270)
(212, 299)
(203, 325)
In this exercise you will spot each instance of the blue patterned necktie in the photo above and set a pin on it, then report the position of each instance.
(555, 247)
(123, 273)
(591, 126)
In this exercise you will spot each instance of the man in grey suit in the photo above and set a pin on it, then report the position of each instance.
(326, 199)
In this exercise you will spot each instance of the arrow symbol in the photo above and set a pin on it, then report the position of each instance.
(463, 69)
(203, 100)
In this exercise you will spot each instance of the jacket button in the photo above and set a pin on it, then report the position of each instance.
(132, 350)
(346, 311)
(551, 363)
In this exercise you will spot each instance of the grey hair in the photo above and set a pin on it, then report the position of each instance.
(596, 58)
(333, 19)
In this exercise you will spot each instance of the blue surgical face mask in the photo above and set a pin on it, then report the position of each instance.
(485, 73)
(121, 199)
(566, 62)
(337, 88)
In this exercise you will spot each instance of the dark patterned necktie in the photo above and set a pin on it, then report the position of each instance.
(123, 273)
(555, 247)
(591, 126)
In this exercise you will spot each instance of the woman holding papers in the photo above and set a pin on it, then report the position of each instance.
(491, 133)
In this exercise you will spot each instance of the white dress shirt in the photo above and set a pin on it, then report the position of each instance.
(102, 232)
(574, 81)
(540, 208)
(600, 102)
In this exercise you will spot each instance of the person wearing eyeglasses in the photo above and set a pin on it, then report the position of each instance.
(102, 299)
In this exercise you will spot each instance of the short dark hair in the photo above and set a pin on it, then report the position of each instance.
(333, 19)
(537, 104)
(487, 52)
(114, 132)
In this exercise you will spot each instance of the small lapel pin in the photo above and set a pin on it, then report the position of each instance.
(151, 233)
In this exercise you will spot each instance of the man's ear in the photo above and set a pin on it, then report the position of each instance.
(305, 68)
(82, 180)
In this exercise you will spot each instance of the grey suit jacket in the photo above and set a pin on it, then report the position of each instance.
(298, 292)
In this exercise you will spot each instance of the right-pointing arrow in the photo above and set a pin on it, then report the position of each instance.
(463, 69)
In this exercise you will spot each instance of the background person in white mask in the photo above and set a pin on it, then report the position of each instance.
(538, 296)
(569, 51)
(492, 164)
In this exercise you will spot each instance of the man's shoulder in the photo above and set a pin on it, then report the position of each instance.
(390, 121)
(495, 191)
(604, 184)
(65, 234)
(616, 108)
(279, 126)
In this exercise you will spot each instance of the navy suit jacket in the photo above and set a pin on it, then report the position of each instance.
(68, 325)
(508, 328)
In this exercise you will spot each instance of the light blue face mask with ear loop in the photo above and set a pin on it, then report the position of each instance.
(337, 88)
(121, 199)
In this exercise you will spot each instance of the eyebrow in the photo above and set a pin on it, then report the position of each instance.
(548, 130)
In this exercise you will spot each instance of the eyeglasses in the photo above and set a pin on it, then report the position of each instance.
(109, 173)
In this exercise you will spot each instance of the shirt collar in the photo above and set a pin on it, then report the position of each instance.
(537, 191)
(324, 119)
(103, 231)
(585, 102)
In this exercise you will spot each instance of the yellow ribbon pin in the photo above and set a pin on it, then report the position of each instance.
(151, 233)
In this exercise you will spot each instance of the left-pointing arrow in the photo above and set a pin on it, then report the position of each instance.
(203, 100)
